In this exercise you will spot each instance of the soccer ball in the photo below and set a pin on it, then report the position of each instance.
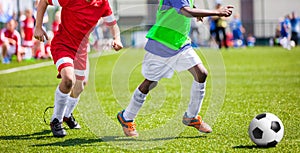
(293, 44)
(266, 130)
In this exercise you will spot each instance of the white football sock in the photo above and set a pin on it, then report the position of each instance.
(60, 105)
(197, 95)
(136, 102)
(71, 104)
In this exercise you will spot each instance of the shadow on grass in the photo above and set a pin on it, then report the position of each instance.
(37, 135)
(250, 147)
(85, 141)
(90, 141)
(31, 86)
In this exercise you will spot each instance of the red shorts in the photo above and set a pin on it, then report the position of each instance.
(65, 57)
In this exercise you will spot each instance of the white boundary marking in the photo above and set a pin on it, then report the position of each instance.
(27, 67)
(49, 63)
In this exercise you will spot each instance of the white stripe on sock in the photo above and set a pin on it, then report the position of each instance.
(136, 102)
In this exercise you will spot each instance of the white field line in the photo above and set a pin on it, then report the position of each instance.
(44, 64)
(27, 67)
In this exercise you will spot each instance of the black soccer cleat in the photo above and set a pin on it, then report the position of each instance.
(57, 128)
(71, 122)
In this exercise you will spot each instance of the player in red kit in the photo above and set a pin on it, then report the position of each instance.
(69, 51)
(27, 33)
(10, 42)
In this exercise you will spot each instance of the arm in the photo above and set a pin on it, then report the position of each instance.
(39, 33)
(111, 22)
(194, 12)
(115, 31)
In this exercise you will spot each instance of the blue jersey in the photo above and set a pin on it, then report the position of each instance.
(285, 24)
(236, 26)
(295, 23)
(159, 49)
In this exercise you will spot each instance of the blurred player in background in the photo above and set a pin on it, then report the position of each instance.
(295, 25)
(69, 51)
(237, 31)
(168, 49)
(27, 34)
(221, 23)
(40, 46)
(10, 42)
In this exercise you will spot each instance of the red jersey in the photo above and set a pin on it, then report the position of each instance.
(28, 27)
(15, 35)
(78, 18)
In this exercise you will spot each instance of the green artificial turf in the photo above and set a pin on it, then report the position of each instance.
(242, 83)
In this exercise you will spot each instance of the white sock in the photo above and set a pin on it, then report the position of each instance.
(136, 102)
(60, 105)
(71, 104)
(197, 96)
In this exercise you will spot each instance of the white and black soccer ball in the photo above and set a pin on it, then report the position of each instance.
(266, 130)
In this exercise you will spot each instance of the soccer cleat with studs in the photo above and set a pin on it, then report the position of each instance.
(57, 128)
(128, 126)
(71, 122)
(197, 123)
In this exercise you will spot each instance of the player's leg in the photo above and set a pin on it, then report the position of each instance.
(197, 90)
(189, 60)
(154, 68)
(11, 51)
(60, 101)
(224, 37)
(20, 54)
(218, 38)
(127, 116)
(4, 54)
(191, 117)
(295, 37)
(199, 73)
(138, 98)
(81, 71)
(72, 102)
(87, 72)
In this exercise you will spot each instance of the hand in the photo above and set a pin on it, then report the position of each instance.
(11, 41)
(40, 34)
(226, 11)
(117, 44)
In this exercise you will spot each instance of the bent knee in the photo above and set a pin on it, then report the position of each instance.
(68, 82)
(78, 88)
(203, 72)
(200, 73)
